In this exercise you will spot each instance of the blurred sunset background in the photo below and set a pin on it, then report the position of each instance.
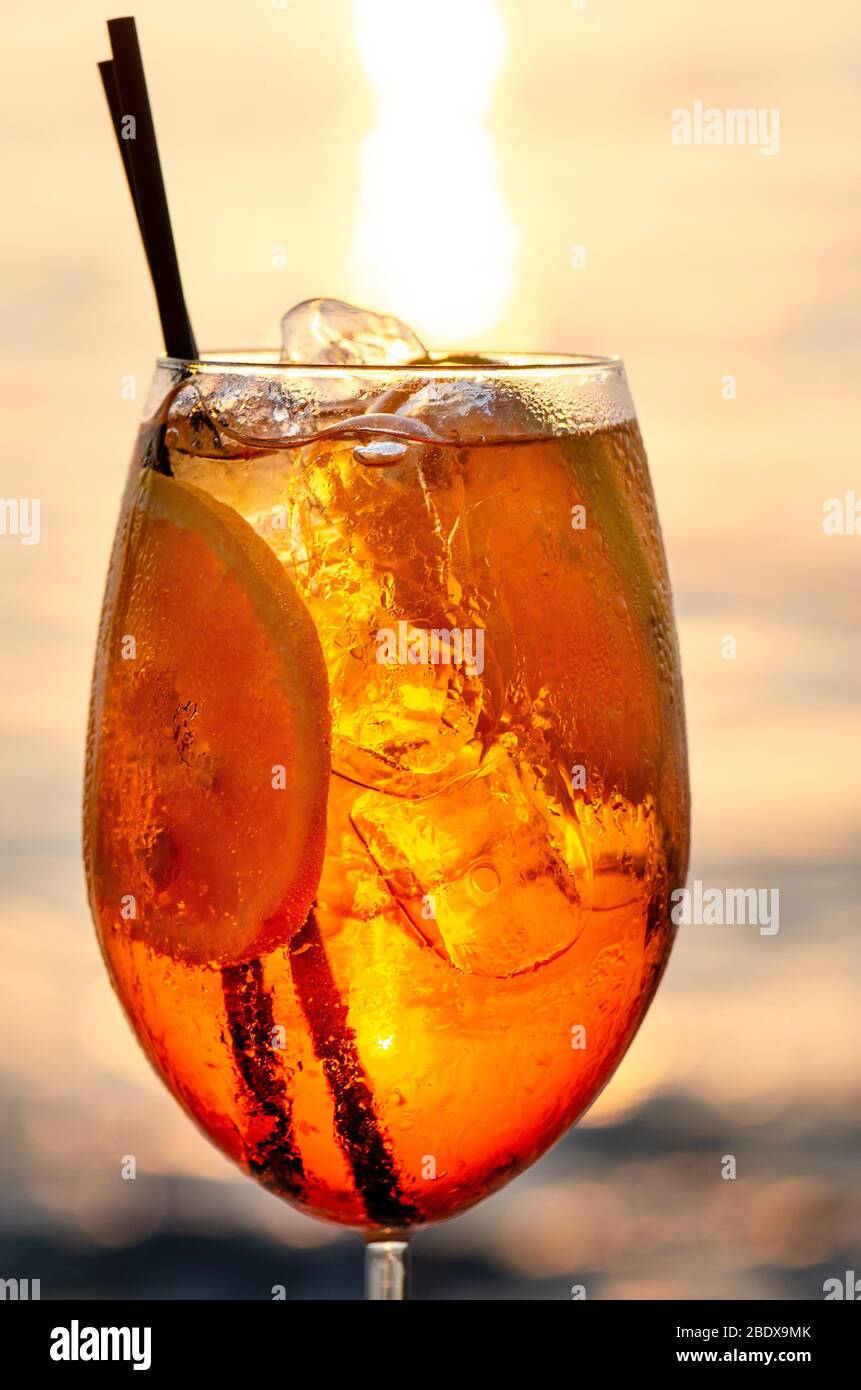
(501, 175)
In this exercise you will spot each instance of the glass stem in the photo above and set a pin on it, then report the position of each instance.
(386, 1266)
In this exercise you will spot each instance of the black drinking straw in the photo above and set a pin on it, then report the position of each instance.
(126, 91)
(247, 1000)
(109, 82)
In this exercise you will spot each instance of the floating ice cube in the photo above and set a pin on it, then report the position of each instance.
(328, 331)
(228, 415)
(468, 410)
(395, 723)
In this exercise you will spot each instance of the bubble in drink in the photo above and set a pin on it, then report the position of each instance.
(380, 452)
(330, 332)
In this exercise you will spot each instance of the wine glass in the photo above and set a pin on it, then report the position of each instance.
(386, 782)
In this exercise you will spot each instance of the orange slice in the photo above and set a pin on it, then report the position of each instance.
(208, 758)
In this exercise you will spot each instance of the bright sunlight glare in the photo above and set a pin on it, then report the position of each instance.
(434, 242)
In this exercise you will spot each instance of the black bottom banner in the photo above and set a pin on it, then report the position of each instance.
(250, 1339)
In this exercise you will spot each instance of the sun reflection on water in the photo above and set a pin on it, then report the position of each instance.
(434, 241)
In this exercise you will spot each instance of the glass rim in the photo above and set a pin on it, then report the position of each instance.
(446, 363)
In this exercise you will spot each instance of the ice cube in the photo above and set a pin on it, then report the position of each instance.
(226, 415)
(394, 723)
(328, 331)
(492, 871)
(469, 410)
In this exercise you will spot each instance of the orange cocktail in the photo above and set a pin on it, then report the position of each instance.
(387, 786)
